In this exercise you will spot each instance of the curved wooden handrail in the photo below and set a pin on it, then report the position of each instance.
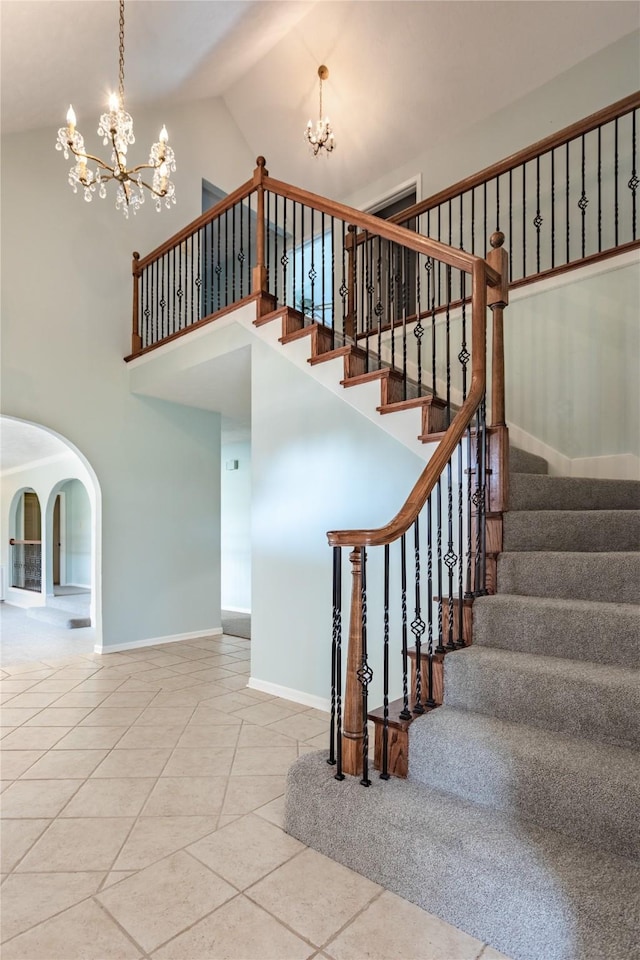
(433, 470)
(458, 259)
(221, 207)
(594, 120)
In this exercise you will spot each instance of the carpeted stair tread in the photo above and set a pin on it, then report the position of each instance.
(577, 698)
(568, 628)
(65, 619)
(522, 462)
(582, 788)
(609, 577)
(535, 492)
(575, 530)
(532, 893)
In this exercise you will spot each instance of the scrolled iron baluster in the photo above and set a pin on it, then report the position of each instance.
(365, 676)
(450, 558)
(430, 701)
(384, 775)
(460, 641)
(418, 625)
(633, 181)
(405, 713)
(440, 646)
(583, 201)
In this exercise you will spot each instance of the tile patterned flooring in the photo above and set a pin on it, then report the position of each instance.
(142, 799)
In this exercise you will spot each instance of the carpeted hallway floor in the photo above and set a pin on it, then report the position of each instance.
(236, 624)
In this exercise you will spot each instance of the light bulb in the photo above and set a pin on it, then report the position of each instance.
(163, 170)
(71, 119)
(113, 103)
(164, 136)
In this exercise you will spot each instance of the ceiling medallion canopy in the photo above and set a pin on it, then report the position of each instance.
(320, 138)
(116, 128)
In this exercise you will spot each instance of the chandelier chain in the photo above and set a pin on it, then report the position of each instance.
(121, 55)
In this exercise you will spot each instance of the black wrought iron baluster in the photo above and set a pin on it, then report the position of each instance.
(268, 232)
(497, 203)
(450, 557)
(192, 283)
(252, 258)
(484, 212)
(366, 319)
(404, 295)
(524, 221)
(633, 180)
(379, 309)
(163, 302)
(439, 647)
(616, 162)
(294, 302)
(405, 713)
(284, 259)
(418, 329)
(460, 640)
(233, 252)
(469, 584)
(418, 625)
(219, 264)
(392, 301)
(430, 264)
(567, 197)
(336, 641)
(473, 220)
(511, 224)
(343, 290)
(583, 201)
(385, 671)
(332, 285)
(365, 675)
(154, 299)
(479, 502)
(367, 254)
(537, 220)
(464, 356)
(226, 258)
(173, 312)
(199, 312)
(302, 273)
(553, 209)
(599, 189)
(312, 269)
(241, 253)
(430, 700)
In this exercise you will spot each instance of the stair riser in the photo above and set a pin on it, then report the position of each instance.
(529, 492)
(586, 791)
(575, 705)
(574, 530)
(607, 577)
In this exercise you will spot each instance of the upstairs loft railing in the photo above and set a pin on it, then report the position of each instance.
(568, 199)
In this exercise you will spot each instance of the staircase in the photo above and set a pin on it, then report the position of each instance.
(520, 819)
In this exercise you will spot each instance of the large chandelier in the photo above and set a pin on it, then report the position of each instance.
(116, 128)
(321, 137)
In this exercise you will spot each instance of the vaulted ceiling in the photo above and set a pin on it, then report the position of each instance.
(410, 72)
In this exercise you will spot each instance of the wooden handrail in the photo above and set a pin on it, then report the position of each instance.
(225, 204)
(433, 470)
(383, 228)
(594, 120)
(17, 543)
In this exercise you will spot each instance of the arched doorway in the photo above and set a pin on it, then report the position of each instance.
(25, 558)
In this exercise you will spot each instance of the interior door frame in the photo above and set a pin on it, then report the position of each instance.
(62, 548)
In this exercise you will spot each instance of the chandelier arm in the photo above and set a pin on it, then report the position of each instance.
(90, 156)
(146, 166)
(151, 190)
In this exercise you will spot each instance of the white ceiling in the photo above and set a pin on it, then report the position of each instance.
(23, 443)
(400, 72)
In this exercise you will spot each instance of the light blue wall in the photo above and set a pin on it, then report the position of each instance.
(235, 528)
(317, 465)
(66, 320)
(77, 534)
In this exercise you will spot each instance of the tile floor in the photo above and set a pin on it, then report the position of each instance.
(142, 812)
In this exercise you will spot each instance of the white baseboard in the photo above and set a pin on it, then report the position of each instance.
(288, 693)
(617, 466)
(155, 641)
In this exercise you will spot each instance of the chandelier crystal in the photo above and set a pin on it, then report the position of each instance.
(321, 136)
(116, 128)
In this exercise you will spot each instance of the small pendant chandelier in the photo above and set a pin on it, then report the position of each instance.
(116, 128)
(320, 138)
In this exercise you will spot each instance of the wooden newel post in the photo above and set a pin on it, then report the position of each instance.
(260, 269)
(136, 339)
(353, 722)
(498, 299)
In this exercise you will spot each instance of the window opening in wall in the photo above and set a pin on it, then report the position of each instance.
(398, 266)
